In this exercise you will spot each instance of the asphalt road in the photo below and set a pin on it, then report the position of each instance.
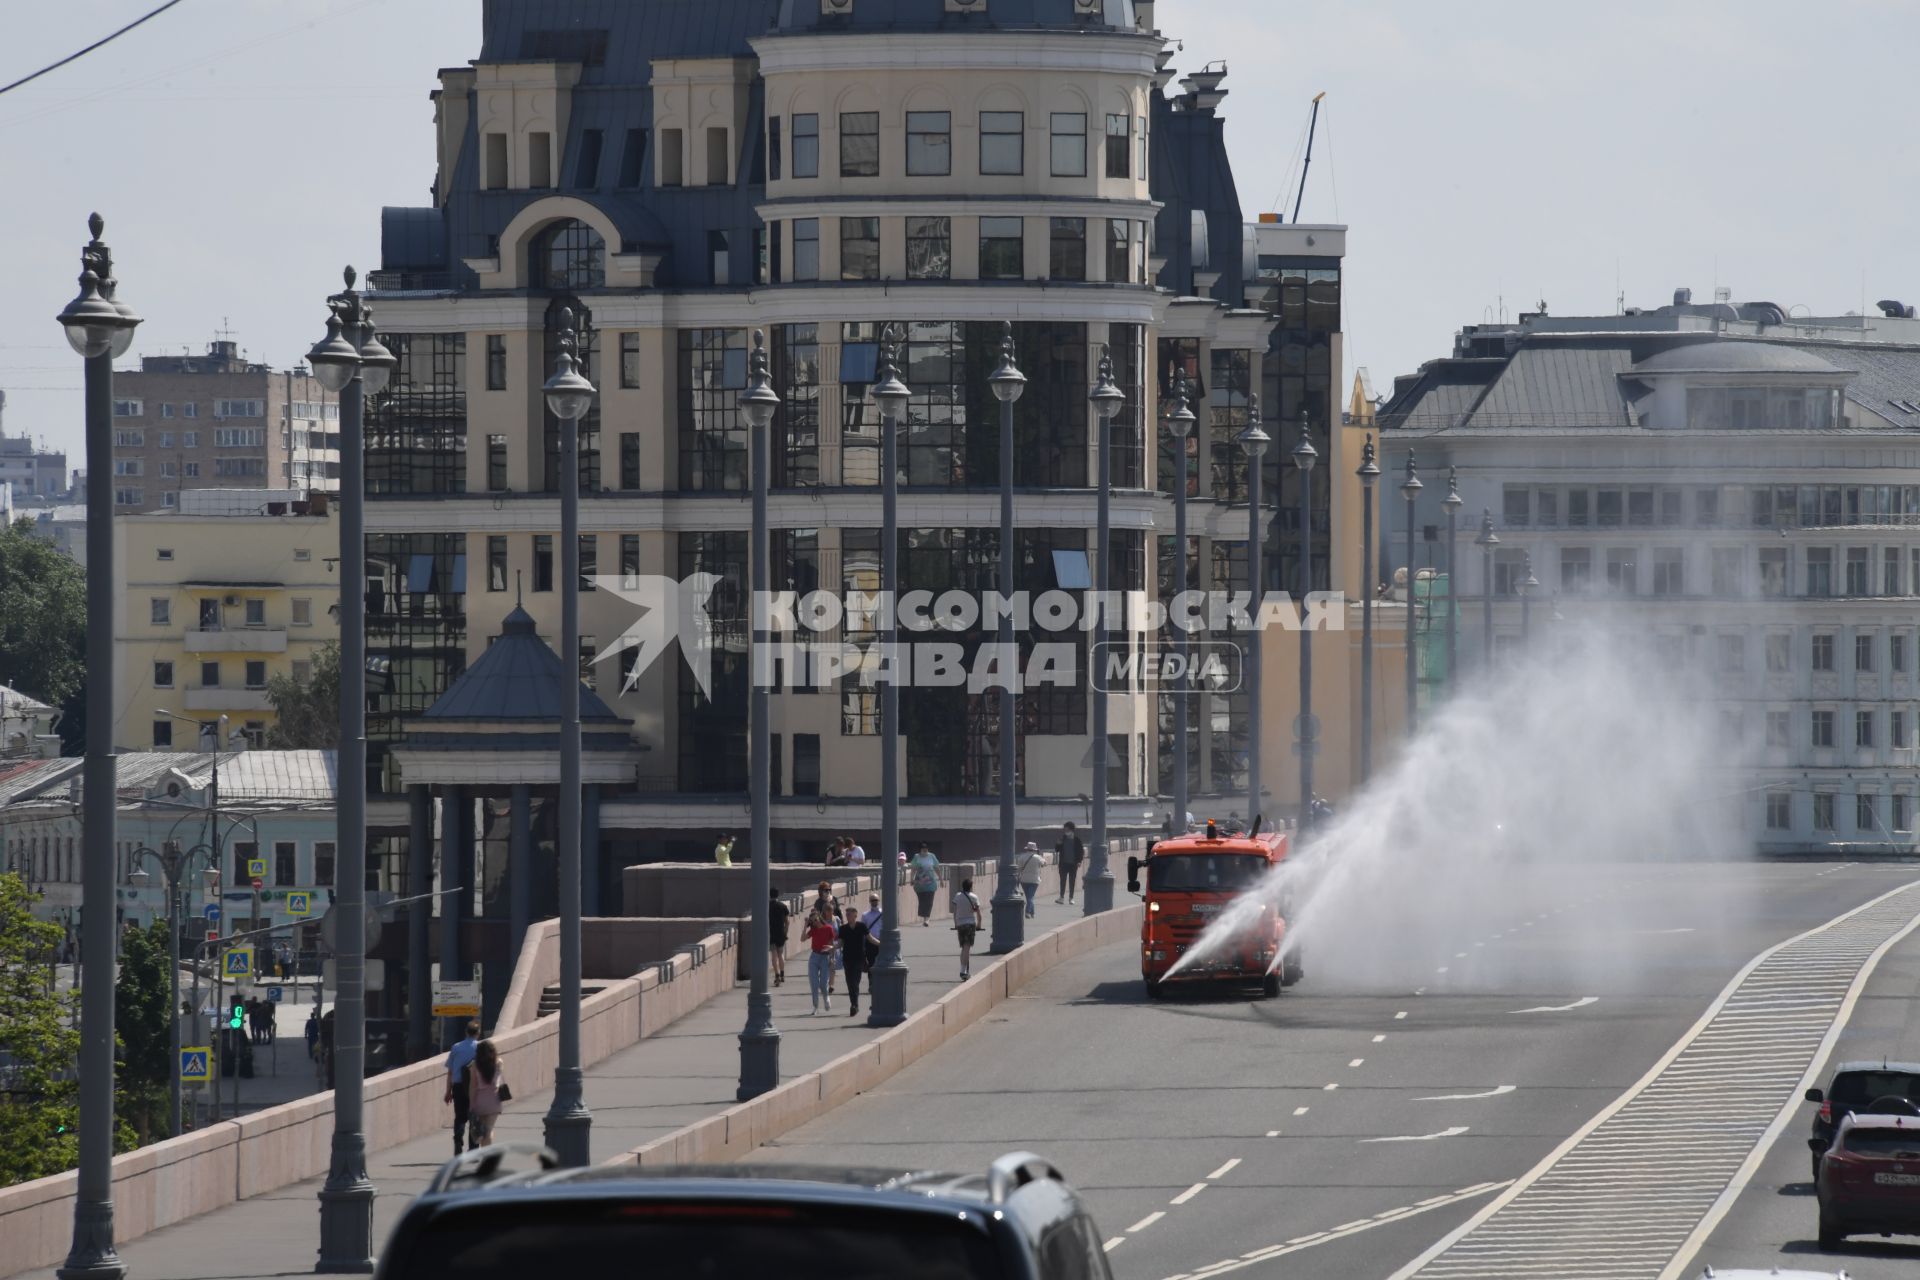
(1422, 1066)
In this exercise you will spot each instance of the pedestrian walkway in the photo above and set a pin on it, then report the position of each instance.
(687, 1072)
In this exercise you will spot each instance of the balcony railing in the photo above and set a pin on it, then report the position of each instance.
(238, 640)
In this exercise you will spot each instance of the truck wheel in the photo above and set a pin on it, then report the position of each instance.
(1291, 970)
(1831, 1237)
(1270, 985)
(1153, 990)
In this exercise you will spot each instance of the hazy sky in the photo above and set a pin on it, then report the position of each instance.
(240, 151)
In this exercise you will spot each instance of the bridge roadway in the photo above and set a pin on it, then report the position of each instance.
(1347, 1128)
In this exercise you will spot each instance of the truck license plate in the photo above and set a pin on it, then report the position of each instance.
(1897, 1179)
(1206, 909)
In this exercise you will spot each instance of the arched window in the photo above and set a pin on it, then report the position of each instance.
(568, 255)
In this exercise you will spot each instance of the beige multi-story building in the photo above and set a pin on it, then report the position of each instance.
(219, 421)
(818, 171)
(219, 596)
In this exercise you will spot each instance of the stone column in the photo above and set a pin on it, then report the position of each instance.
(593, 865)
(455, 859)
(519, 869)
(419, 921)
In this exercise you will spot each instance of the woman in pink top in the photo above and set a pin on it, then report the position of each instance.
(486, 1082)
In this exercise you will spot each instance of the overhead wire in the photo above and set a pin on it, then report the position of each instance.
(103, 40)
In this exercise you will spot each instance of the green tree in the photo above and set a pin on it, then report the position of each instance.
(43, 622)
(39, 1089)
(142, 1000)
(308, 710)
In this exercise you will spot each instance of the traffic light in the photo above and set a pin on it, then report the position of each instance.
(237, 1017)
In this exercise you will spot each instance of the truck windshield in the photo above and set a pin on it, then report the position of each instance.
(1204, 872)
(608, 1237)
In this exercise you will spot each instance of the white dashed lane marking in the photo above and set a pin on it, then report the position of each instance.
(1223, 1170)
(1147, 1221)
(1189, 1193)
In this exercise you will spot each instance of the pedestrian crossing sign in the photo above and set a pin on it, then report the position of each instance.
(195, 1065)
(299, 902)
(256, 868)
(238, 963)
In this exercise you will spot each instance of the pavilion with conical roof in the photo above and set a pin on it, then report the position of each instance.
(489, 752)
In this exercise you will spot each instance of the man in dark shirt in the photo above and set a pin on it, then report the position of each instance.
(777, 915)
(853, 956)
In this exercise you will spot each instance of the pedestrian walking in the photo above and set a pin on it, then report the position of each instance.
(326, 1046)
(778, 914)
(270, 1019)
(486, 1090)
(924, 874)
(1028, 868)
(1067, 855)
(723, 851)
(966, 923)
(871, 916)
(827, 903)
(458, 1092)
(313, 1036)
(822, 938)
(854, 940)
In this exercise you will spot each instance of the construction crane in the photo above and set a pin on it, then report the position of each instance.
(1313, 122)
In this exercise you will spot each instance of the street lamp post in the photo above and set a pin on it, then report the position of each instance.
(1487, 541)
(1304, 458)
(759, 1040)
(1096, 894)
(1180, 426)
(888, 981)
(1410, 490)
(1254, 441)
(569, 1125)
(1009, 911)
(99, 328)
(1528, 585)
(1453, 504)
(172, 864)
(350, 362)
(1369, 474)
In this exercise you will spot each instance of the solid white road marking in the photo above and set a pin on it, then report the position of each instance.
(1273, 1133)
(1330, 1088)
(1223, 1170)
(1317, 1238)
(1469, 1097)
(1299, 1111)
(1189, 1193)
(1399, 1015)
(1378, 1039)
(1147, 1221)
(1356, 1062)
(1581, 1003)
(1454, 1132)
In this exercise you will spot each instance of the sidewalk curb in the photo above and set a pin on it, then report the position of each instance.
(741, 1128)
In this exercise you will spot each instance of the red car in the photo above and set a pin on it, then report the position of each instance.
(1870, 1179)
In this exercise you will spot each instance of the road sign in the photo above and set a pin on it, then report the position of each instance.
(259, 885)
(213, 913)
(275, 994)
(456, 999)
(299, 902)
(195, 1062)
(257, 869)
(213, 935)
(237, 963)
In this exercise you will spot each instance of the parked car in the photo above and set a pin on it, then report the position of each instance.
(1869, 1181)
(1772, 1273)
(1859, 1086)
(479, 1221)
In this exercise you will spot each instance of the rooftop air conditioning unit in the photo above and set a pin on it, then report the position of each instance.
(231, 600)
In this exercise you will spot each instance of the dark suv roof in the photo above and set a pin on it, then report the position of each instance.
(1877, 1064)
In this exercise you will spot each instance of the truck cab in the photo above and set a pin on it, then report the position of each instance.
(1189, 881)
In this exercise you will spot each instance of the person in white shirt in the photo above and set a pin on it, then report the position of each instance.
(856, 856)
(966, 923)
(1028, 867)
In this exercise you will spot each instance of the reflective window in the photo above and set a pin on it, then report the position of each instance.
(568, 255)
